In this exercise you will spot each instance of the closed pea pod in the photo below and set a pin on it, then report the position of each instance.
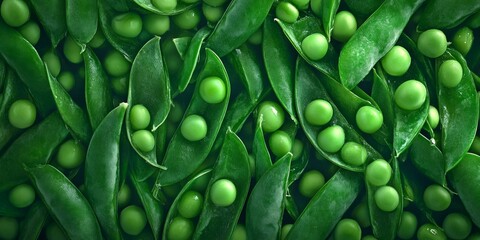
(446, 14)
(260, 151)
(82, 19)
(32, 225)
(428, 159)
(53, 18)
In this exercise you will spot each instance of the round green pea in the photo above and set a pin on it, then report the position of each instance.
(450, 73)
(331, 139)
(318, 112)
(194, 128)
(369, 119)
(72, 51)
(22, 114)
(116, 64)
(433, 117)
(316, 7)
(378, 173)
(432, 43)
(387, 198)
(347, 229)
(165, 5)
(310, 183)
(223, 193)
(139, 117)
(97, 40)
(280, 143)
(397, 61)
(180, 229)
(463, 40)
(297, 149)
(361, 215)
(212, 14)
(239, 233)
(344, 26)
(215, 3)
(71, 154)
(188, 19)
(133, 220)
(315, 46)
(22, 195)
(67, 80)
(408, 226)
(300, 4)
(120, 86)
(286, 12)
(437, 198)
(190, 204)
(15, 13)
(54, 232)
(457, 226)
(143, 140)
(410, 95)
(285, 230)
(127, 25)
(53, 62)
(157, 24)
(30, 31)
(430, 232)
(353, 154)
(273, 116)
(213, 90)
(124, 194)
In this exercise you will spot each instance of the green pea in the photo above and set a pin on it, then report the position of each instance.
(133, 220)
(475, 147)
(450, 73)
(280, 143)
(369, 237)
(53, 62)
(188, 19)
(410, 95)
(124, 194)
(212, 14)
(354, 154)
(8, 228)
(315, 46)
(430, 232)
(212, 90)
(127, 25)
(22, 195)
(300, 4)
(463, 40)
(223, 193)
(318, 112)
(347, 229)
(273, 116)
(297, 149)
(361, 215)
(67, 80)
(432, 43)
(408, 226)
(215, 3)
(139, 117)
(72, 51)
(180, 229)
(433, 117)
(165, 5)
(437, 198)
(386, 198)
(310, 183)
(239, 233)
(369, 119)
(22, 114)
(116, 64)
(378, 173)
(316, 6)
(256, 37)
(143, 140)
(30, 31)
(344, 26)
(54, 232)
(457, 226)
(397, 61)
(157, 24)
(285, 230)
(190, 204)
(71, 154)
(15, 12)
(286, 12)
(194, 128)
(120, 86)
(97, 40)
(331, 139)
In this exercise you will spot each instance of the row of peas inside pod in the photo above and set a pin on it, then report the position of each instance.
(239, 119)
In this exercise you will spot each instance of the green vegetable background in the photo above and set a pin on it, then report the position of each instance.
(239, 119)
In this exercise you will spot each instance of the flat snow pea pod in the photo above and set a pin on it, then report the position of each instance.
(232, 164)
(327, 207)
(65, 202)
(52, 16)
(428, 159)
(97, 89)
(279, 65)
(329, 11)
(245, 16)
(182, 44)
(260, 151)
(464, 179)
(24, 59)
(102, 171)
(266, 203)
(299, 30)
(34, 221)
(6, 207)
(72, 114)
(42, 140)
(458, 109)
(82, 20)
(445, 14)
(368, 45)
(194, 153)
(181, 7)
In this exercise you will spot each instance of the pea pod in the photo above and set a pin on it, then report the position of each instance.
(65, 202)
(444, 14)
(245, 16)
(363, 8)
(52, 16)
(329, 11)
(181, 7)
(358, 56)
(298, 165)
(82, 20)
(263, 162)
(428, 159)
(327, 207)
(182, 44)
(6, 207)
(35, 220)
(194, 153)
(458, 114)
(267, 201)
(41, 139)
(232, 164)
(383, 95)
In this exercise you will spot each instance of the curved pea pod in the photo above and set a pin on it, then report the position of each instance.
(279, 65)
(368, 44)
(445, 14)
(464, 179)
(102, 171)
(181, 7)
(232, 164)
(24, 59)
(6, 207)
(52, 16)
(302, 28)
(34, 221)
(182, 44)
(428, 159)
(363, 8)
(263, 162)
(98, 95)
(194, 153)
(245, 16)
(72, 114)
(40, 141)
(329, 11)
(65, 202)
(383, 95)
(267, 201)
(298, 165)
(327, 207)
(458, 109)
(82, 20)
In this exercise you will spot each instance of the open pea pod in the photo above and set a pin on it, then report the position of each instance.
(82, 20)
(182, 44)
(41, 139)
(458, 109)
(445, 14)
(327, 207)
(263, 161)
(232, 164)
(34, 221)
(6, 207)
(266, 203)
(194, 153)
(52, 16)
(428, 159)
(368, 44)
(181, 7)
(65, 202)
(299, 30)
(329, 11)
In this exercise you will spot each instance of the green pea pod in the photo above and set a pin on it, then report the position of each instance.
(279, 65)
(182, 44)
(445, 14)
(102, 171)
(327, 207)
(363, 8)
(181, 7)
(232, 164)
(359, 55)
(464, 179)
(291, 206)
(3, 72)
(194, 153)
(329, 11)
(24, 59)
(191, 56)
(72, 114)
(82, 20)
(97, 89)
(383, 95)
(65, 202)
(34, 221)
(428, 159)
(6, 207)
(245, 16)
(41, 139)
(458, 113)
(52, 16)
(266, 203)
(263, 162)
(299, 30)
(298, 165)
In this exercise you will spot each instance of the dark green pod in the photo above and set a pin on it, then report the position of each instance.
(446, 14)
(52, 16)
(263, 162)
(34, 221)
(182, 44)
(428, 159)
(82, 20)
(330, 8)
(6, 207)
